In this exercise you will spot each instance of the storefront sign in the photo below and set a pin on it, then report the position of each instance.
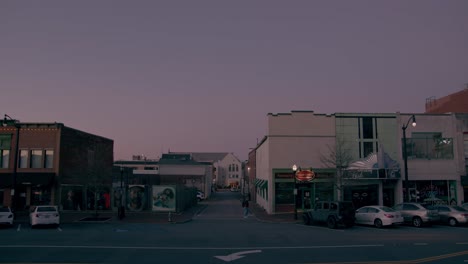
(305, 175)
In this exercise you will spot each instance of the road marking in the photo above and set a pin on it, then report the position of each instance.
(189, 248)
(421, 244)
(237, 255)
(462, 243)
(19, 228)
(416, 261)
(59, 229)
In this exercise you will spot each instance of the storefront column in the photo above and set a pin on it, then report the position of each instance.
(380, 191)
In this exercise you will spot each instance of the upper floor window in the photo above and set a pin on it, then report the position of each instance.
(4, 158)
(237, 167)
(429, 146)
(24, 159)
(36, 158)
(49, 159)
(367, 128)
(230, 167)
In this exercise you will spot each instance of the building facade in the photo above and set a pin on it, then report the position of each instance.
(169, 184)
(452, 103)
(55, 165)
(359, 157)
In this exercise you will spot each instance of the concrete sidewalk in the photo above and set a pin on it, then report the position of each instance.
(158, 217)
(112, 217)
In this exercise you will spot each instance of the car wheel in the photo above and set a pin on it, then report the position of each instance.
(378, 223)
(417, 222)
(453, 222)
(306, 219)
(331, 222)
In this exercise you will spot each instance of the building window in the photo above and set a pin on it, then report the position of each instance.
(49, 159)
(368, 148)
(429, 146)
(230, 167)
(237, 167)
(367, 128)
(23, 161)
(36, 159)
(4, 158)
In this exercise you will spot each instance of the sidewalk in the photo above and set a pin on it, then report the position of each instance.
(130, 217)
(159, 217)
(262, 216)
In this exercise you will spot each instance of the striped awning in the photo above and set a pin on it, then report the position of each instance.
(261, 184)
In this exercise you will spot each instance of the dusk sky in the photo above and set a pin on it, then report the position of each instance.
(201, 76)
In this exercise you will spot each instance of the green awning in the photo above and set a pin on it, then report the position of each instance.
(264, 185)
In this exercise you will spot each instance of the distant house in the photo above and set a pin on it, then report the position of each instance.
(228, 170)
(55, 165)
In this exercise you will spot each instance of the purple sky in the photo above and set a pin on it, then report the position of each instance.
(203, 75)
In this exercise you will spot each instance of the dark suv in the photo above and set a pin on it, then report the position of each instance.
(333, 213)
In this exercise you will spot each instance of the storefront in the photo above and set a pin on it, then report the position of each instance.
(434, 192)
(320, 189)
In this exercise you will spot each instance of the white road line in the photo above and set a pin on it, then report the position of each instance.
(462, 243)
(421, 244)
(19, 228)
(59, 229)
(190, 248)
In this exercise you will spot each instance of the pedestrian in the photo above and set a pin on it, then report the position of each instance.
(245, 205)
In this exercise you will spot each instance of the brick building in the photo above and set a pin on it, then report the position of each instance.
(452, 103)
(55, 165)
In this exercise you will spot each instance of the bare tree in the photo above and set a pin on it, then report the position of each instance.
(338, 156)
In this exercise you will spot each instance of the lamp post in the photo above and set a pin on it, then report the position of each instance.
(15, 163)
(405, 156)
(121, 206)
(294, 168)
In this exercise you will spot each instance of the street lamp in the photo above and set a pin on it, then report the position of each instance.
(15, 163)
(294, 168)
(121, 210)
(405, 155)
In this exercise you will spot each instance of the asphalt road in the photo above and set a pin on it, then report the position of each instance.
(220, 234)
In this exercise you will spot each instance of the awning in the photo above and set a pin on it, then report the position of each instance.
(261, 184)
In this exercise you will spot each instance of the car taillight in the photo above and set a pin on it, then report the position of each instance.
(56, 215)
(465, 215)
(37, 215)
(10, 216)
(388, 215)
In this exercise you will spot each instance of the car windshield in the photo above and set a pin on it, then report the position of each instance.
(3, 210)
(386, 209)
(46, 209)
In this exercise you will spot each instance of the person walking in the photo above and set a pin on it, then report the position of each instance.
(245, 205)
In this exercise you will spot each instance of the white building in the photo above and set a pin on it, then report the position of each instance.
(372, 144)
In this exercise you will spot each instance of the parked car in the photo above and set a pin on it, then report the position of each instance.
(452, 215)
(235, 189)
(44, 215)
(418, 214)
(200, 196)
(6, 216)
(333, 213)
(379, 216)
(464, 205)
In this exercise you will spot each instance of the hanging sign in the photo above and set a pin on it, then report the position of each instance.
(305, 175)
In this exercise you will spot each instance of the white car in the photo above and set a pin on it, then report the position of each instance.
(44, 215)
(378, 216)
(200, 196)
(6, 216)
